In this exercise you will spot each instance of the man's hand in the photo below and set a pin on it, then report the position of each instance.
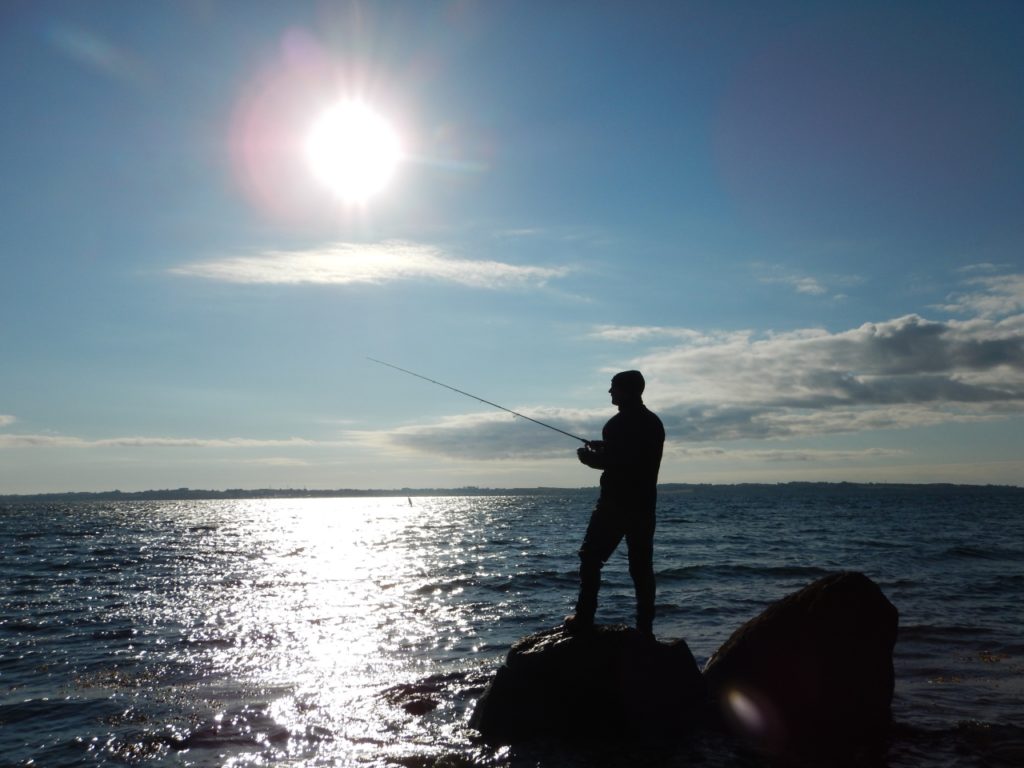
(591, 454)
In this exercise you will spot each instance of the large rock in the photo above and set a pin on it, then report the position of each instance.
(613, 680)
(813, 673)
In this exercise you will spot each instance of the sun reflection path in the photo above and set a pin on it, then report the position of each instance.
(322, 604)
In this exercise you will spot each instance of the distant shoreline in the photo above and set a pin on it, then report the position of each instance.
(187, 494)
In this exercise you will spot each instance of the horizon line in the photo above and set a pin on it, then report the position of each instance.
(185, 493)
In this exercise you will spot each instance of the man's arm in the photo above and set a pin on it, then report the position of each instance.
(628, 445)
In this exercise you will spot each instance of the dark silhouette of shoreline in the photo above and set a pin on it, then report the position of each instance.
(807, 489)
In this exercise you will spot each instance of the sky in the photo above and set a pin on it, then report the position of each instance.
(803, 222)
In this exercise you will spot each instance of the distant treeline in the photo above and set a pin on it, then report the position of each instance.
(774, 489)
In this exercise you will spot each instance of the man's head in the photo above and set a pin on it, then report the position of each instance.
(627, 387)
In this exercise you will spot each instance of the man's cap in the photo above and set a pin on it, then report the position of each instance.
(630, 381)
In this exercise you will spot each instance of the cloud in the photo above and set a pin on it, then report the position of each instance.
(491, 436)
(711, 387)
(806, 284)
(554, 235)
(901, 373)
(350, 263)
(634, 333)
(5, 420)
(985, 266)
(274, 461)
(996, 296)
(863, 363)
(68, 441)
(699, 453)
(96, 53)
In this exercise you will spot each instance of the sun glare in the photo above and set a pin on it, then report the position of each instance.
(353, 151)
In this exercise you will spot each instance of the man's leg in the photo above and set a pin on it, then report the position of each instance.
(640, 540)
(604, 532)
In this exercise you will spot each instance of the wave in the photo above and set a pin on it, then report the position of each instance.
(725, 571)
(936, 631)
(988, 553)
(993, 745)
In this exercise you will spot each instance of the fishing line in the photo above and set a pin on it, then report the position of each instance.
(488, 402)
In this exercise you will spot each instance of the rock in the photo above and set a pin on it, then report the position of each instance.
(418, 698)
(613, 680)
(813, 673)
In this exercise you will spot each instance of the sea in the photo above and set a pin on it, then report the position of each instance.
(361, 631)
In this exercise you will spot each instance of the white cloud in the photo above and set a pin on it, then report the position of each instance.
(554, 235)
(634, 333)
(5, 420)
(711, 387)
(985, 266)
(904, 372)
(68, 441)
(996, 297)
(489, 436)
(699, 453)
(807, 284)
(349, 263)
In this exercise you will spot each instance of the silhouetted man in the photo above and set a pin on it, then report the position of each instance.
(629, 454)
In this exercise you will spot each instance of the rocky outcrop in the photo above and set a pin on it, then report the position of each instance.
(609, 680)
(808, 681)
(813, 673)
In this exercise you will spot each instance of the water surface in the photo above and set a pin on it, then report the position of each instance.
(360, 631)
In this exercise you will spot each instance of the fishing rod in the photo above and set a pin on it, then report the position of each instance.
(488, 402)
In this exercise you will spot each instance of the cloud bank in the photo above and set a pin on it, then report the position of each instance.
(374, 263)
(906, 372)
(489, 436)
(711, 387)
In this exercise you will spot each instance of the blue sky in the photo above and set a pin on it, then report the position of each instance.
(802, 221)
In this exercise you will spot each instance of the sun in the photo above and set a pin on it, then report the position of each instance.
(353, 151)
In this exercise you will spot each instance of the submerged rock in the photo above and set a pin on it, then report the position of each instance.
(423, 697)
(612, 680)
(813, 673)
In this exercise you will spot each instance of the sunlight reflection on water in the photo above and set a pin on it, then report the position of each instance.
(311, 606)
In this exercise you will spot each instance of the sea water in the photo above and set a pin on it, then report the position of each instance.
(361, 631)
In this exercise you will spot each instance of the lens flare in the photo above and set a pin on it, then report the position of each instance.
(757, 719)
(747, 712)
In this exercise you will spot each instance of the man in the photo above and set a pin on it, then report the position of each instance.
(629, 454)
